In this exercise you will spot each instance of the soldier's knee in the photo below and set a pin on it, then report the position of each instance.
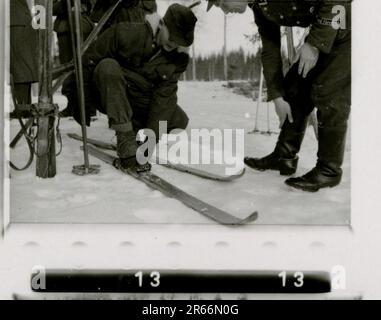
(333, 114)
(179, 120)
(333, 106)
(108, 69)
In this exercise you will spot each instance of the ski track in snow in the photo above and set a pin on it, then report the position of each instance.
(111, 197)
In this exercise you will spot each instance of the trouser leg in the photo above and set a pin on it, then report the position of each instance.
(331, 93)
(22, 92)
(109, 79)
(298, 95)
(284, 157)
(179, 120)
(331, 150)
(66, 55)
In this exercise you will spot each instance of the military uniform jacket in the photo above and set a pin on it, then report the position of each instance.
(270, 15)
(154, 70)
(129, 10)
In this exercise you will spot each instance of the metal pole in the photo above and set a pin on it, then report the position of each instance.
(259, 100)
(46, 159)
(77, 53)
(260, 92)
(194, 77)
(225, 50)
(72, 38)
(268, 118)
(78, 38)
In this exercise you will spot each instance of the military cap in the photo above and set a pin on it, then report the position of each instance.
(181, 22)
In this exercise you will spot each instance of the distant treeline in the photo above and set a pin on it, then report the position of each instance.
(240, 66)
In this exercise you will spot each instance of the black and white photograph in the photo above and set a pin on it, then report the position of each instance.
(176, 115)
(186, 113)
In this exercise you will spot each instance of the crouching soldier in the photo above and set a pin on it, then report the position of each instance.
(321, 78)
(132, 70)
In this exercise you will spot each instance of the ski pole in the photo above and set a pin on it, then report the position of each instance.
(86, 168)
(259, 100)
(268, 118)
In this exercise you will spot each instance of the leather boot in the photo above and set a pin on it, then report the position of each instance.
(284, 157)
(126, 149)
(327, 172)
(286, 167)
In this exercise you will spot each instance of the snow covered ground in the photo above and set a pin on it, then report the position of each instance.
(112, 197)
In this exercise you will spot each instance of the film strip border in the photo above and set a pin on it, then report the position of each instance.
(180, 281)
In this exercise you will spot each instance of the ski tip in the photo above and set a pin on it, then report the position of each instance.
(252, 217)
(235, 222)
(236, 176)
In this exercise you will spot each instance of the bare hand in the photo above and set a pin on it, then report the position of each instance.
(283, 110)
(308, 57)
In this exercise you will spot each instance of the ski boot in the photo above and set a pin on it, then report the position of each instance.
(126, 149)
(130, 163)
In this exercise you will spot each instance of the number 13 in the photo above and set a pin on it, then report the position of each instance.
(297, 275)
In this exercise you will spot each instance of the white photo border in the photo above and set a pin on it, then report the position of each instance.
(253, 247)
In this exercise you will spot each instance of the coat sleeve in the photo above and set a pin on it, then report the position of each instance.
(271, 55)
(323, 34)
(105, 46)
(164, 99)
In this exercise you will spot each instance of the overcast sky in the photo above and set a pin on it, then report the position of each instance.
(209, 34)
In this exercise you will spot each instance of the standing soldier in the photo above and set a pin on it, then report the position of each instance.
(323, 72)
